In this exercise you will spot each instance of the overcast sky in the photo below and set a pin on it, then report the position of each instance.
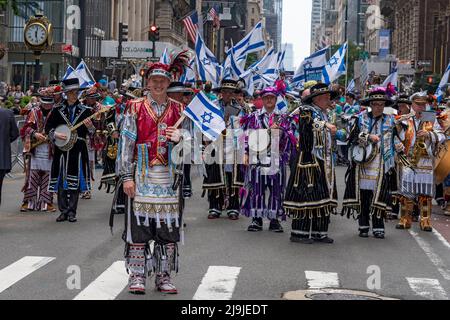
(297, 27)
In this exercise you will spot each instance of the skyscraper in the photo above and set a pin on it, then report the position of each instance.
(316, 22)
(273, 12)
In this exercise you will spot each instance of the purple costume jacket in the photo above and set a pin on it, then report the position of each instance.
(267, 169)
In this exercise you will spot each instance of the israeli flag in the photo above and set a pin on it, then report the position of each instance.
(265, 71)
(189, 75)
(335, 66)
(165, 58)
(252, 42)
(351, 86)
(207, 66)
(206, 116)
(311, 68)
(70, 73)
(282, 105)
(444, 82)
(84, 75)
(281, 56)
(391, 79)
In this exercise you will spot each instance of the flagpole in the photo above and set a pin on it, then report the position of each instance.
(87, 68)
(348, 47)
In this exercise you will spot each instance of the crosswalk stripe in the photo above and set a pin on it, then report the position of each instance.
(427, 288)
(322, 280)
(218, 283)
(108, 285)
(432, 255)
(20, 269)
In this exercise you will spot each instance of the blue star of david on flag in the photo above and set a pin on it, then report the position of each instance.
(206, 62)
(308, 65)
(332, 61)
(207, 117)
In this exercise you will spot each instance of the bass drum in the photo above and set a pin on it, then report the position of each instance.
(442, 169)
(363, 154)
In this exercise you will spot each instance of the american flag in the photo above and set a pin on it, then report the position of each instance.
(191, 25)
(215, 17)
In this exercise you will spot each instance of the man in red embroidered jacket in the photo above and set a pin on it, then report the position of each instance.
(143, 163)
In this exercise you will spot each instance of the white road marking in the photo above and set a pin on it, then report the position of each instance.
(322, 280)
(427, 288)
(218, 283)
(434, 258)
(20, 269)
(441, 238)
(108, 285)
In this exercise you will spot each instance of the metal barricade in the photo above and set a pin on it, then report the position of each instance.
(17, 147)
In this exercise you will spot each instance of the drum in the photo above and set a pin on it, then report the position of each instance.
(69, 142)
(363, 154)
(442, 169)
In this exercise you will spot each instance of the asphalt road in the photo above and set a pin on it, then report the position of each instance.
(40, 259)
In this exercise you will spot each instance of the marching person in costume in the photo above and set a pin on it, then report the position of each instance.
(153, 212)
(267, 168)
(70, 173)
(97, 142)
(39, 154)
(403, 107)
(311, 195)
(223, 182)
(371, 173)
(418, 141)
(110, 150)
(444, 121)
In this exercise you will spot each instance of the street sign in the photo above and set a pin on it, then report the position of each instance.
(118, 63)
(424, 63)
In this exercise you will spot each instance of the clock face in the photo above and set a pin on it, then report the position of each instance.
(36, 34)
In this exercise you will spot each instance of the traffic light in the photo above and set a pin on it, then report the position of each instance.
(413, 64)
(123, 32)
(142, 72)
(154, 33)
(430, 80)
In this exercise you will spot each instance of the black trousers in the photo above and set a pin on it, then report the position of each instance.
(187, 184)
(2, 176)
(315, 228)
(364, 216)
(68, 202)
(217, 198)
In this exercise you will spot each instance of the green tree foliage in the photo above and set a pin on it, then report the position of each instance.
(251, 59)
(4, 4)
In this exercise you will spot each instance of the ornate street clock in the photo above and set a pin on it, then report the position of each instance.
(38, 33)
(38, 37)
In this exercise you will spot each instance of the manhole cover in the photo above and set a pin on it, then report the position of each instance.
(333, 294)
(339, 296)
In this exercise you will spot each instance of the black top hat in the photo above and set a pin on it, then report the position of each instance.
(318, 90)
(71, 84)
(402, 98)
(351, 94)
(54, 83)
(178, 87)
(377, 95)
(228, 84)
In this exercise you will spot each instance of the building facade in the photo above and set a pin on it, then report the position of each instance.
(273, 13)
(420, 32)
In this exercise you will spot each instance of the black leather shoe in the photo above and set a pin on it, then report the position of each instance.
(302, 240)
(379, 235)
(363, 234)
(257, 225)
(275, 226)
(62, 218)
(72, 219)
(324, 240)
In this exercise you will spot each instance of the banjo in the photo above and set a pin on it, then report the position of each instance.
(71, 132)
(364, 151)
